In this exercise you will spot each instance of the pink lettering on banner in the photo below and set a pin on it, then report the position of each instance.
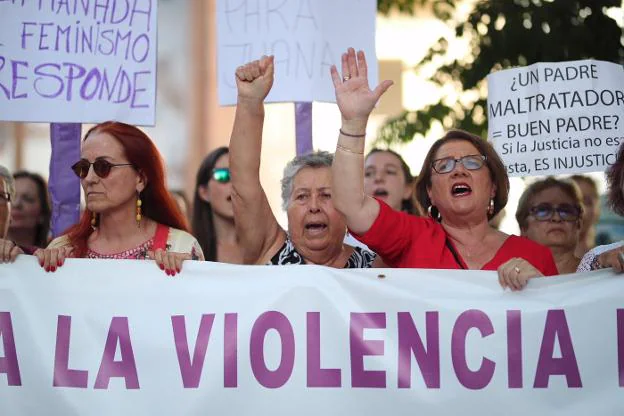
(620, 342)
(556, 328)
(230, 349)
(191, 370)
(8, 363)
(514, 349)
(480, 378)
(317, 376)
(410, 342)
(361, 347)
(279, 322)
(118, 333)
(63, 375)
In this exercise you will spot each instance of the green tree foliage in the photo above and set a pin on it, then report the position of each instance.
(504, 34)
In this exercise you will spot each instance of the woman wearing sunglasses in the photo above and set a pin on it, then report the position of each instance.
(129, 212)
(315, 229)
(462, 184)
(549, 212)
(610, 255)
(213, 215)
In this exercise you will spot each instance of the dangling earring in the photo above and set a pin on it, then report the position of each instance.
(437, 216)
(138, 210)
(94, 220)
(490, 209)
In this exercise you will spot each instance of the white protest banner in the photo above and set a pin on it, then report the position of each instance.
(306, 37)
(557, 118)
(103, 337)
(78, 61)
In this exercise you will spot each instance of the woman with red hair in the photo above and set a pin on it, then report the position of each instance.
(129, 212)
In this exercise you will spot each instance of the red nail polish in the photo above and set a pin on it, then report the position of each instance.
(53, 268)
(47, 269)
(178, 270)
(162, 266)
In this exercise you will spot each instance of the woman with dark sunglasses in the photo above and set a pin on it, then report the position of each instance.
(550, 213)
(213, 214)
(462, 184)
(129, 212)
(610, 255)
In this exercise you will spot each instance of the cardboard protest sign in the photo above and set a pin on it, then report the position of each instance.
(306, 37)
(78, 61)
(557, 118)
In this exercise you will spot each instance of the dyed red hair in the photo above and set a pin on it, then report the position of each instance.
(158, 204)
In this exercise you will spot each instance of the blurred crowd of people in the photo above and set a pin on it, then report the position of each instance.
(344, 210)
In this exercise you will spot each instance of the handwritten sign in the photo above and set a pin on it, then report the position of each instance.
(306, 37)
(78, 61)
(557, 118)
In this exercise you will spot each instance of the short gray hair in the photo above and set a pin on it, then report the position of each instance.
(9, 182)
(318, 159)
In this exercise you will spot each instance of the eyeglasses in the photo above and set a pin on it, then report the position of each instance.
(447, 164)
(221, 175)
(545, 212)
(101, 167)
(5, 197)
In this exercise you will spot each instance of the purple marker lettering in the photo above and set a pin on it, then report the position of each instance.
(15, 70)
(42, 84)
(136, 90)
(74, 72)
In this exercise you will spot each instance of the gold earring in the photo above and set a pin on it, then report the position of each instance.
(139, 203)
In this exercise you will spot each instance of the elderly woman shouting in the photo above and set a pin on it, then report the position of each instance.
(315, 229)
(462, 184)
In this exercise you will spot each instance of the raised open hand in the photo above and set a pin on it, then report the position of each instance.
(255, 79)
(353, 94)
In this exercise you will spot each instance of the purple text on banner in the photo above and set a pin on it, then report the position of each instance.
(303, 127)
(64, 185)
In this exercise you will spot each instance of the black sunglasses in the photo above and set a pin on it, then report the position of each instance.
(545, 212)
(221, 175)
(101, 167)
(447, 164)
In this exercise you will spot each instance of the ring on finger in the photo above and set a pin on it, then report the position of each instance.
(517, 270)
(346, 78)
